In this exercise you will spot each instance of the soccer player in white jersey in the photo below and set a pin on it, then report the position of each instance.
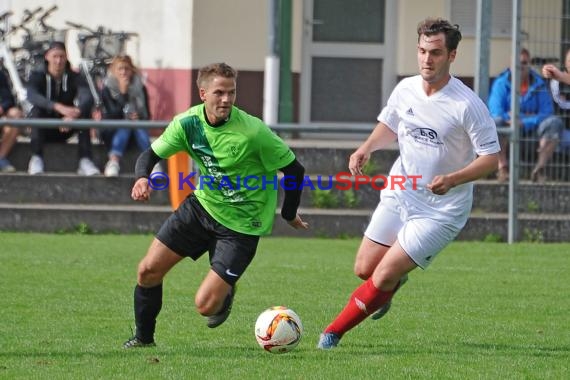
(445, 135)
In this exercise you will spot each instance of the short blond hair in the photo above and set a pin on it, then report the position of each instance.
(206, 73)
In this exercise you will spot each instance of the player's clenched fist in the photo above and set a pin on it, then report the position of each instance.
(141, 190)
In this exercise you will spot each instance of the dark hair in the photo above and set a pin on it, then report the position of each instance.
(56, 45)
(431, 26)
(215, 69)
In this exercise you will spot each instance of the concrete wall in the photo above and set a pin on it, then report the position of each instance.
(231, 31)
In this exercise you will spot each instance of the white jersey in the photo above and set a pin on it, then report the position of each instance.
(437, 134)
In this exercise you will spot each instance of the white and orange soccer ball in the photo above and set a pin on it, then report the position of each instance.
(278, 329)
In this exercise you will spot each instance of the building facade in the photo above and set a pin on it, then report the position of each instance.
(344, 60)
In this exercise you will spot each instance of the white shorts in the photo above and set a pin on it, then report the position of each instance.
(421, 237)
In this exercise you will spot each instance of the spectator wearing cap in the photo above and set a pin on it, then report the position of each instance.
(57, 92)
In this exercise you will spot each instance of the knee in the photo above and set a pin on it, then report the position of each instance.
(361, 270)
(147, 276)
(386, 279)
(14, 113)
(205, 305)
(10, 132)
(551, 128)
(203, 309)
(141, 134)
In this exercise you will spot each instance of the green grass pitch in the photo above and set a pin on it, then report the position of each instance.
(481, 311)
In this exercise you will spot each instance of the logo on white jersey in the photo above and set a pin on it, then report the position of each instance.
(410, 111)
(425, 136)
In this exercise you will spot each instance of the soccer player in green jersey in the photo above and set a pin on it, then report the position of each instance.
(240, 156)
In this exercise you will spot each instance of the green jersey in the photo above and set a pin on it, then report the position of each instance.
(238, 164)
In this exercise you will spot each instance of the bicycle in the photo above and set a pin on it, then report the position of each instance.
(98, 47)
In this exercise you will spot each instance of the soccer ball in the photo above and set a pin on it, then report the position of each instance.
(278, 329)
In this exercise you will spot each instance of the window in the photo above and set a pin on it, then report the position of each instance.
(464, 13)
(362, 21)
(341, 93)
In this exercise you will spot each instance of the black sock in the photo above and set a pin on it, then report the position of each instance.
(148, 302)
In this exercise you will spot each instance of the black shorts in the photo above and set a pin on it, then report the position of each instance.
(190, 231)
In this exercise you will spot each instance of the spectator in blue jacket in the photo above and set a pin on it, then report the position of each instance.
(536, 114)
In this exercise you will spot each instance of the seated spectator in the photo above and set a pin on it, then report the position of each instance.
(536, 115)
(8, 110)
(124, 96)
(560, 90)
(59, 92)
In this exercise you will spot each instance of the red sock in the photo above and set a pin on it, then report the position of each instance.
(365, 300)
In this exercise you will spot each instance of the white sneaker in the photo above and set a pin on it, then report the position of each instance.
(112, 169)
(36, 165)
(87, 167)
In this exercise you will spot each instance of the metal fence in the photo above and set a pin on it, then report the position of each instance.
(543, 28)
(89, 123)
(542, 33)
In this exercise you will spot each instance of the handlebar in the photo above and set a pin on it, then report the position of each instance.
(49, 11)
(79, 26)
(46, 15)
(100, 31)
(30, 15)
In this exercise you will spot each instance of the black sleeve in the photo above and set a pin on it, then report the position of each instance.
(83, 95)
(145, 163)
(36, 91)
(293, 178)
(6, 98)
(147, 107)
